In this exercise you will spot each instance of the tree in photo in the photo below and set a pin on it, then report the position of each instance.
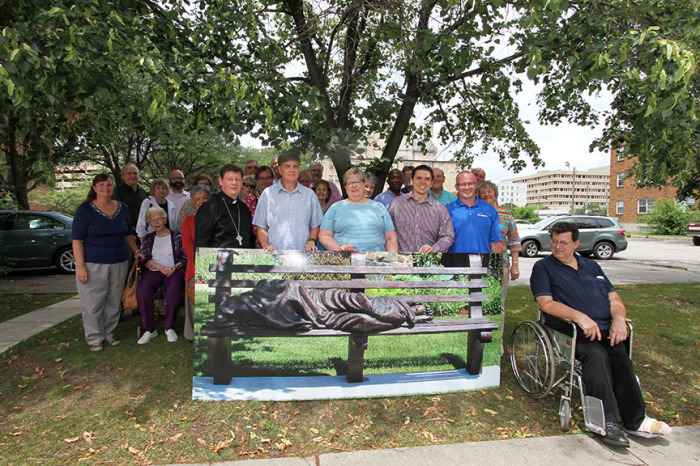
(326, 75)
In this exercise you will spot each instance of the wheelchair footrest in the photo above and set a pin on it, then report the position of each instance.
(593, 414)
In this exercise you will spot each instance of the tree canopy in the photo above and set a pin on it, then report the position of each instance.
(324, 75)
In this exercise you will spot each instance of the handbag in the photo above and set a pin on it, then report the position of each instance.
(132, 285)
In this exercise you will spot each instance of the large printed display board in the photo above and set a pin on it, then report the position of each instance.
(268, 304)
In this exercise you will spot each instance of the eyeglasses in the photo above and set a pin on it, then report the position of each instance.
(248, 185)
(461, 185)
(350, 184)
(266, 178)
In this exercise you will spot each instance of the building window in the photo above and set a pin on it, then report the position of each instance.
(620, 180)
(644, 206)
(620, 158)
(620, 207)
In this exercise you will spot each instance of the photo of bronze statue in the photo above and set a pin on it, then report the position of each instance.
(281, 304)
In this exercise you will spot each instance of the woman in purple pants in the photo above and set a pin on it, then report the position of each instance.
(164, 264)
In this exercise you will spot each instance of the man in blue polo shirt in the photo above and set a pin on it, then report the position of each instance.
(475, 222)
(569, 286)
(288, 215)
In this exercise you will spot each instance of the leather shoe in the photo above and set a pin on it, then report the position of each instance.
(614, 435)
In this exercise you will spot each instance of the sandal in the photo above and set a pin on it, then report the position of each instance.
(96, 347)
(112, 341)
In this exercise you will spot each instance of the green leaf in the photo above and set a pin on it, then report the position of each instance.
(153, 108)
(10, 67)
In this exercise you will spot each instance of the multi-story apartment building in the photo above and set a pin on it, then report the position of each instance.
(560, 190)
(513, 193)
(627, 201)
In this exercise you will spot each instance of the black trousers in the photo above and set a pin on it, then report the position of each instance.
(608, 374)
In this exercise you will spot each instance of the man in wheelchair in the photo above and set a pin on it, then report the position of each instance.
(572, 287)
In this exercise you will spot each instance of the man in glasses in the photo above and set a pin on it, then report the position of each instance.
(475, 222)
(250, 167)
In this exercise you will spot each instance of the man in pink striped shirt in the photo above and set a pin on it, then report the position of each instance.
(422, 223)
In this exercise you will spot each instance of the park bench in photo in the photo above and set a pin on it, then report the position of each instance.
(477, 327)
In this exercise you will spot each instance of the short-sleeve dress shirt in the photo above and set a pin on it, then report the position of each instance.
(287, 216)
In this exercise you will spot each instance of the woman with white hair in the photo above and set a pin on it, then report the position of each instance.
(164, 264)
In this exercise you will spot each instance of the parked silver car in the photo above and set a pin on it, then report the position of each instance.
(37, 239)
(600, 236)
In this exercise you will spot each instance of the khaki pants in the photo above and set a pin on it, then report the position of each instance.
(100, 300)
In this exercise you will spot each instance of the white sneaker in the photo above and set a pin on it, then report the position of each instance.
(147, 336)
(172, 336)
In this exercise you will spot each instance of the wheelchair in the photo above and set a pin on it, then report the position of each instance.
(543, 361)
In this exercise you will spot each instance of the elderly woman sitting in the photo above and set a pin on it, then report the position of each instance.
(165, 262)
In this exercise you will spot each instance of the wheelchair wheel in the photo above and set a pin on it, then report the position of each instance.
(564, 414)
(532, 358)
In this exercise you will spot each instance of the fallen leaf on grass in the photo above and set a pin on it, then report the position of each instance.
(490, 411)
(580, 440)
(314, 430)
(71, 439)
(133, 450)
(58, 360)
(175, 437)
(89, 452)
(88, 437)
(283, 444)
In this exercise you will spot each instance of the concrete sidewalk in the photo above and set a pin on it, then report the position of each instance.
(681, 447)
(27, 325)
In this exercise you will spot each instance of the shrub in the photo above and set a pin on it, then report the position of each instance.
(525, 213)
(668, 218)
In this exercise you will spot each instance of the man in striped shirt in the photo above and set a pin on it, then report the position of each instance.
(422, 223)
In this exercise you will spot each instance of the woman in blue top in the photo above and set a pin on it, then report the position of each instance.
(357, 223)
(101, 241)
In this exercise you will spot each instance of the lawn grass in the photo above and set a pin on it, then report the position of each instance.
(132, 403)
(15, 305)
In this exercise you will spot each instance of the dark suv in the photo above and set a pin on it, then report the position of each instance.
(600, 236)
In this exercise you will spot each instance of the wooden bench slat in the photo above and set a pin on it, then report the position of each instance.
(438, 326)
(354, 284)
(417, 299)
(345, 269)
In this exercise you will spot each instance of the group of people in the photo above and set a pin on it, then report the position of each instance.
(282, 207)
(270, 207)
